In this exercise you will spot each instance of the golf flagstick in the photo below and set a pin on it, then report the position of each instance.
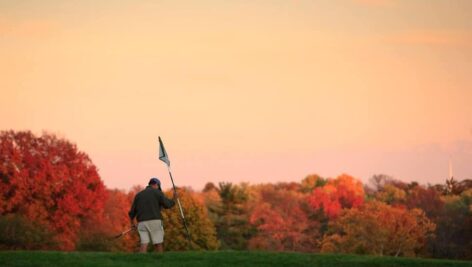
(164, 157)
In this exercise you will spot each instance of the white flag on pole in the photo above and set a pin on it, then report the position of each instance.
(162, 153)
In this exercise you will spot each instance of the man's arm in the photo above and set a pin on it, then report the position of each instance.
(165, 202)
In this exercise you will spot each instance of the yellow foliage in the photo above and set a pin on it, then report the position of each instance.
(391, 194)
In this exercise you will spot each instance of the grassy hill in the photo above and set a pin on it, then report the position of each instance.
(213, 259)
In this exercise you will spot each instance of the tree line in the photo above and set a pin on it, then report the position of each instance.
(53, 198)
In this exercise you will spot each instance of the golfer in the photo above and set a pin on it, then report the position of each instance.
(146, 209)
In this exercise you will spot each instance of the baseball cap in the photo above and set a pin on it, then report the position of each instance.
(154, 180)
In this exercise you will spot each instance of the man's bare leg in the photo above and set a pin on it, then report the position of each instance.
(143, 248)
(158, 248)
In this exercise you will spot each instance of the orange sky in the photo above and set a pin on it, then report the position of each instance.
(258, 91)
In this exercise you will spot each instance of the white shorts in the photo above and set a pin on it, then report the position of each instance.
(151, 229)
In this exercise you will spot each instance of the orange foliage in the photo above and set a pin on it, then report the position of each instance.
(379, 229)
(342, 192)
(279, 219)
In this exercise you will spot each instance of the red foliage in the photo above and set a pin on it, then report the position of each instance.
(49, 181)
(426, 199)
(336, 194)
(279, 219)
(117, 220)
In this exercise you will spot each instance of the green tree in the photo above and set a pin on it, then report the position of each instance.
(17, 232)
(232, 222)
(454, 232)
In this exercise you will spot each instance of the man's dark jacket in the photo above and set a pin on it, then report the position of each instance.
(147, 205)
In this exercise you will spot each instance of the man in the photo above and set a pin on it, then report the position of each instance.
(146, 209)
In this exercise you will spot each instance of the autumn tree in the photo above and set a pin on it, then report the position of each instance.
(453, 186)
(427, 199)
(378, 181)
(96, 236)
(311, 182)
(379, 229)
(201, 228)
(49, 181)
(337, 194)
(281, 222)
(391, 195)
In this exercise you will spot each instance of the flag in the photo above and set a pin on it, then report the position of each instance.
(162, 153)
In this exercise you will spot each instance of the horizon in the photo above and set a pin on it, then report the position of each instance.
(270, 91)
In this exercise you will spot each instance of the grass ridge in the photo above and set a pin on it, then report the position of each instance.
(209, 258)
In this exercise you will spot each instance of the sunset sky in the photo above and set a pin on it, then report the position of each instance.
(254, 91)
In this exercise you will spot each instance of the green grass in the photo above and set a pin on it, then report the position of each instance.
(212, 259)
